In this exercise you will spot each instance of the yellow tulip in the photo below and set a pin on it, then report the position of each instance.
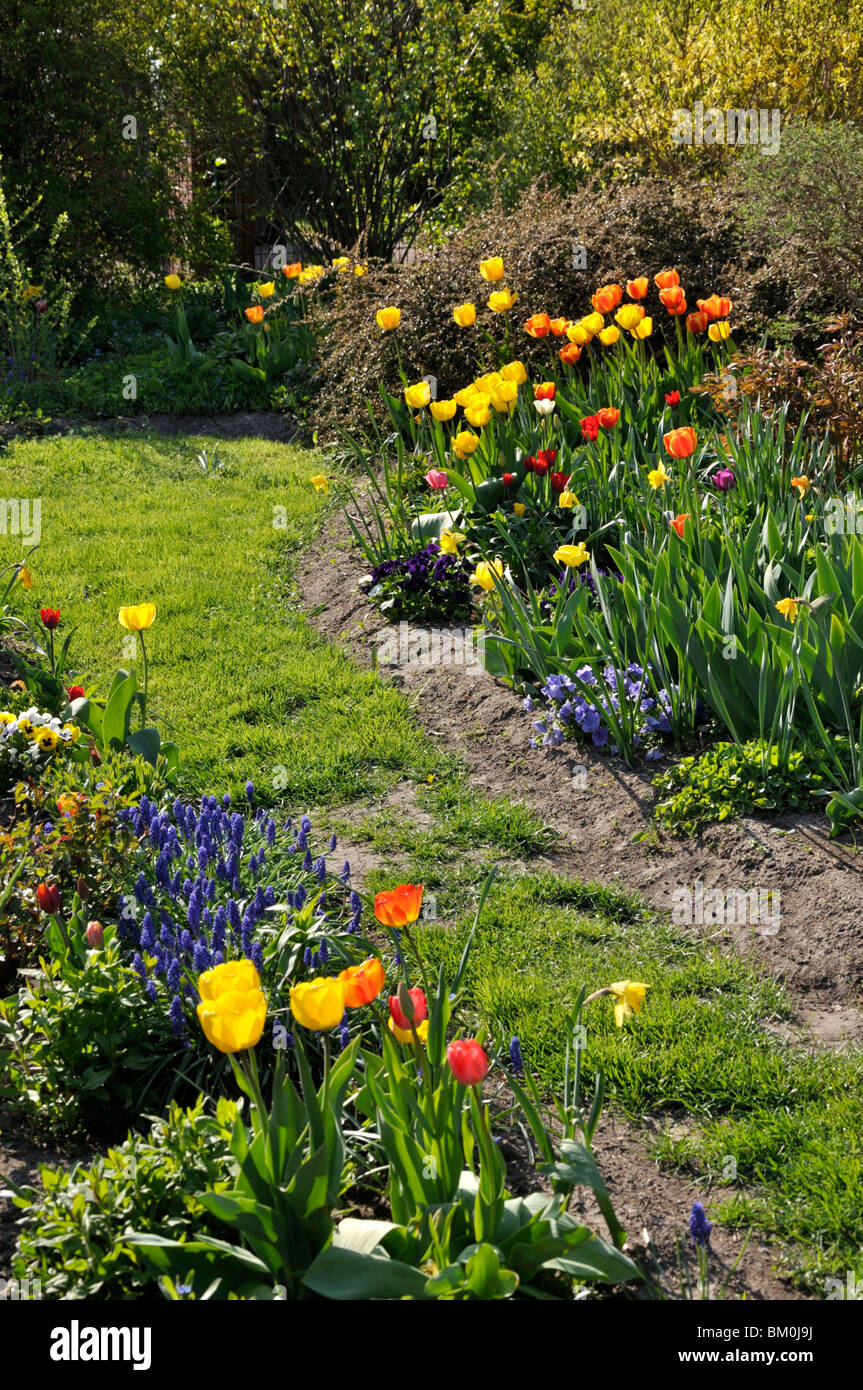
(519, 508)
(572, 555)
(629, 999)
(489, 382)
(319, 1004)
(492, 269)
(594, 323)
(173, 282)
(609, 336)
(464, 443)
(404, 1035)
(504, 396)
(629, 316)
(499, 301)
(465, 315)
(718, 332)
(138, 617)
(443, 410)
(466, 395)
(321, 482)
(577, 333)
(267, 289)
(514, 371)
(643, 329)
(478, 413)
(485, 572)
(418, 395)
(388, 318)
(233, 1008)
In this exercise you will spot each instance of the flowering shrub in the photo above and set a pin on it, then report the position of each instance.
(429, 585)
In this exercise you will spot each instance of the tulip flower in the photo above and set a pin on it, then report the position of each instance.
(464, 444)
(478, 413)
(672, 398)
(320, 482)
(724, 479)
(95, 935)
(718, 332)
(629, 999)
(788, 607)
(696, 323)
(173, 282)
(50, 618)
(519, 508)
(233, 1007)
(363, 983)
(408, 1007)
(570, 354)
(267, 289)
(399, 907)
(558, 482)
(138, 617)
(594, 323)
(468, 1062)
(255, 313)
(590, 427)
(674, 299)
(578, 334)
(293, 271)
(404, 1035)
(442, 410)
(680, 443)
(319, 1004)
(643, 329)
(558, 327)
(437, 479)
(484, 573)
(465, 315)
(678, 522)
(48, 898)
(608, 417)
(629, 316)
(716, 307)
(492, 269)
(544, 407)
(76, 692)
(607, 297)
(514, 371)
(388, 318)
(802, 484)
(666, 279)
(504, 396)
(637, 288)
(418, 395)
(501, 301)
(609, 336)
(538, 325)
(545, 391)
(508, 479)
(572, 555)
(658, 477)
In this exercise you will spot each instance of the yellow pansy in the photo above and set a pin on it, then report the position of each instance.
(137, 617)
(46, 740)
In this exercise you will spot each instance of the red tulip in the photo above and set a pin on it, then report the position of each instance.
(608, 417)
(50, 617)
(81, 888)
(95, 934)
(558, 482)
(547, 456)
(468, 1061)
(508, 479)
(529, 463)
(48, 897)
(41, 306)
(397, 1014)
(672, 398)
(540, 466)
(590, 427)
(546, 391)
(76, 692)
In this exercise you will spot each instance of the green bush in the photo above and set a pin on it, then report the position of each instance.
(73, 1231)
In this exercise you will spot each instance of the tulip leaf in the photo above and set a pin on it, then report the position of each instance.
(348, 1275)
(147, 743)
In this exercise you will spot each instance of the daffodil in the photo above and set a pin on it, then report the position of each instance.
(567, 499)
(572, 555)
(629, 997)
(321, 482)
(658, 477)
(450, 541)
(484, 574)
(789, 609)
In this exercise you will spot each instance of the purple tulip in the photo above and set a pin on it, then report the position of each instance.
(724, 480)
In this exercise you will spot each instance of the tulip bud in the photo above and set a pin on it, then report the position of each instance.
(405, 1001)
(82, 889)
(95, 934)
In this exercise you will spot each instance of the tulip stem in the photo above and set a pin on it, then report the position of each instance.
(144, 661)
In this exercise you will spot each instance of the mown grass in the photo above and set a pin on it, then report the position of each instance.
(699, 1051)
(238, 676)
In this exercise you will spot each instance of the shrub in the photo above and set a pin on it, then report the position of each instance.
(73, 1231)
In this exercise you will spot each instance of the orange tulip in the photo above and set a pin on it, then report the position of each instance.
(674, 299)
(398, 907)
(538, 325)
(607, 297)
(696, 323)
(570, 354)
(666, 279)
(715, 307)
(677, 523)
(293, 270)
(681, 443)
(637, 288)
(608, 417)
(255, 313)
(558, 327)
(363, 983)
